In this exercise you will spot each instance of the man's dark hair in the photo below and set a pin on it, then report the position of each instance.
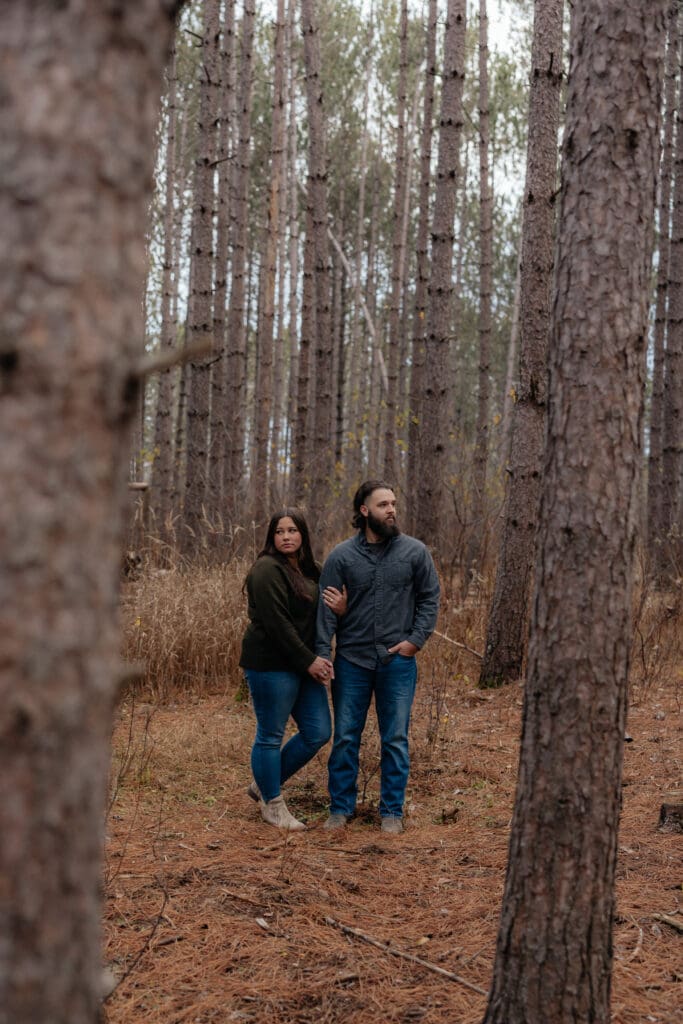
(361, 496)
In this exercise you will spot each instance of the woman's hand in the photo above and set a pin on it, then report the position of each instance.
(322, 671)
(336, 599)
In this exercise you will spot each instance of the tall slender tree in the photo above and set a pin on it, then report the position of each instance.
(440, 290)
(162, 465)
(655, 526)
(266, 326)
(415, 404)
(237, 322)
(200, 303)
(508, 624)
(554, 951)
(671, 539)
(477, 540)
(316, 235)
(398, 256)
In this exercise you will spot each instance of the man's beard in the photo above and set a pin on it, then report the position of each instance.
(382, 529)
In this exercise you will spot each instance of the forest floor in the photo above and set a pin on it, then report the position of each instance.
(211, 915)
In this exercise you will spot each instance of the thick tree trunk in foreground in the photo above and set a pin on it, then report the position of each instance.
(508, 624)
(554, 953)
(80, 87)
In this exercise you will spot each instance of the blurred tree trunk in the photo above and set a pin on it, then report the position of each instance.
(398, 258)
(77, 148)
(316, 223)
(554, 952)
(416, 408)
(671, 542)
(655, 527)
(507, 630)
(162, 464)
(436, 395)
(263, 404)
(476, 547)
(200, 302)
(237, 324)
(302, 439)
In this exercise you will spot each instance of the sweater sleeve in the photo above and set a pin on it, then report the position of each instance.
(269, 592)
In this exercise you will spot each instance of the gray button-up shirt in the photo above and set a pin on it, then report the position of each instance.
(393, 595)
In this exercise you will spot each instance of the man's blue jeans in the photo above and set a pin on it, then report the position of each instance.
(352, 688)
(276, 696)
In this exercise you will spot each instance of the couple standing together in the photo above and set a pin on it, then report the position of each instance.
(380, 597)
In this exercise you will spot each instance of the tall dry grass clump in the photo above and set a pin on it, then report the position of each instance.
(185, 626)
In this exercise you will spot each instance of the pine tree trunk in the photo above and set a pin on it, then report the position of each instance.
(507, 629)
(554, 952)
(224, 187)
(436, 400)
(655, 525)
(77, 149)
(476, 548)
(671, 541)
(264, 398)
(358, 341)
(294, 480)
(316, 223)
(237, 330)
(162, 465)
(416, 408)
(397, 257)
(200, 302)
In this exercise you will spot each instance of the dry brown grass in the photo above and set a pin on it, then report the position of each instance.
(185, 627)
(213, 916)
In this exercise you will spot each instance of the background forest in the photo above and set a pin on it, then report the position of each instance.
(297, 191)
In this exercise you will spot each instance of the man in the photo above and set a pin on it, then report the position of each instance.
(393, 599)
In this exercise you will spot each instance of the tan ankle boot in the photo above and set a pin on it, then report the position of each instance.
(275, 813)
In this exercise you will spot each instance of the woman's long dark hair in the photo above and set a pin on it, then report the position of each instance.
(307, 565)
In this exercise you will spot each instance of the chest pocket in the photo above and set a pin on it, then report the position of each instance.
(359, 578)
(399, 575)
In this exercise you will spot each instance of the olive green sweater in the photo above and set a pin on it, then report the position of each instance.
(281, 631)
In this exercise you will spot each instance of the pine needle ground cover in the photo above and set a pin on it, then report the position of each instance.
(211, 915)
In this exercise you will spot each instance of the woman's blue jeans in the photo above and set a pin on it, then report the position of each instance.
(352, 688)
(276, 696)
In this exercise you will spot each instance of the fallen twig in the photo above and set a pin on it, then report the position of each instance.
(358, 934)
(671, 921)
(455, 643)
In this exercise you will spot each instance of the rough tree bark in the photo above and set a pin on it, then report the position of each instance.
(264, 396)
(316, 223)
(162, 465)
(80, 86)
(476, 544)
(415, 404)
(398, 253)
(436, 401)
(554, 951)
(237, 330)
(670, 547)
(508, 624)
(654, 462)
(200, 300)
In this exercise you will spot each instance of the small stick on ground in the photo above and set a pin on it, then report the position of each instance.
(358, 934)
(671, 921)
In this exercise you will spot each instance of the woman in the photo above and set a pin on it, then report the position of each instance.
(284, 675)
